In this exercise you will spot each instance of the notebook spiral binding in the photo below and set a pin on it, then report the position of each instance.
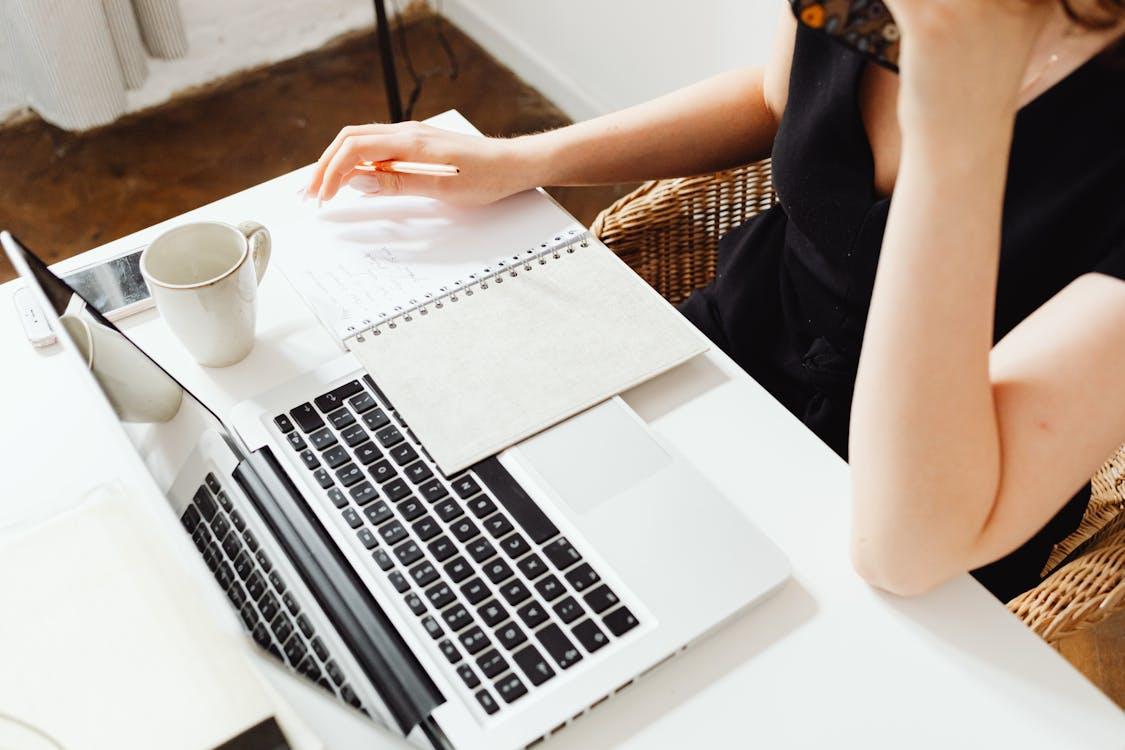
(563, 243)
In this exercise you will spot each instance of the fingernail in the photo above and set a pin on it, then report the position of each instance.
(365, 184)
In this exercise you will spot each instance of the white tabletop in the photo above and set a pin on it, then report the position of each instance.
(827, 661)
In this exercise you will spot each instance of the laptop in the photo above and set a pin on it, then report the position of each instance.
(482, 610)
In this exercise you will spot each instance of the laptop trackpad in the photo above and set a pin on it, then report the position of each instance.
(595, 455)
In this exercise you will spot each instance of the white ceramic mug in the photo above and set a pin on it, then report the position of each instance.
(204, 280)
(138, 390)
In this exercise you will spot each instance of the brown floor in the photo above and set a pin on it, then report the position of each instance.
(63, 193)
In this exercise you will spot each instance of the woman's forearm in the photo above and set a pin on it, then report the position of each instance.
(925, 450)
(720, 122)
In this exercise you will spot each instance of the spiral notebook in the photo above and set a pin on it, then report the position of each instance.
(536, 336)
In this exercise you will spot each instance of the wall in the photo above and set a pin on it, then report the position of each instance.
(226, 36)
(595, 56)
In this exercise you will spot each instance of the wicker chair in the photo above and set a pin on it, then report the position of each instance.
(668, 230)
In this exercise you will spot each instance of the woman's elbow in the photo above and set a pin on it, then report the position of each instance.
(891, 568)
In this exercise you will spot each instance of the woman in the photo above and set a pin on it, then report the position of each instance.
(989, 387)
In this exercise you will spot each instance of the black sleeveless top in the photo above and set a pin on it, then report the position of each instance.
(793, 286)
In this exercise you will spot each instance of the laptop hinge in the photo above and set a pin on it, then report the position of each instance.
(385, 658)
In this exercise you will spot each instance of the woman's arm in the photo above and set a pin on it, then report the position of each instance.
(724, 121)
(960, 452)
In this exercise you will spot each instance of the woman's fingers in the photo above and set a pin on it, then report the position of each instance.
(351, 152)
(326, 158)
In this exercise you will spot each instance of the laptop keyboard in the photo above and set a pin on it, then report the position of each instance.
(258, 590)
(507, 600)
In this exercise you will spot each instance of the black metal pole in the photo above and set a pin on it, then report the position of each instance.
(386, 54)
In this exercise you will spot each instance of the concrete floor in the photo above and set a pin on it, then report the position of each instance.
(63, 193)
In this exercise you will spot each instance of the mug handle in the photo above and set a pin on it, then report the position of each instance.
(258, 237)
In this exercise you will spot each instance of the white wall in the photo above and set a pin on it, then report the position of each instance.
(595, 56)
(226, 36)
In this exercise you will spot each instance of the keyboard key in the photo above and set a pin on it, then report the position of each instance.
(349, 475)
(582, 577)
(278, 583)
(263, 561)
(432, 627)
(398, 580)
(205, 504)
(255, 586)
(294, 651)
(322, 439)
(352, 518)
(334, 671)
(212, 483)
(411, 509)
(432, 491)
(376, 419)
(464, 529)
(213, 556)
(448, 510)
(424, 573)
(283, 423)
(457, 617)
(335, 397)
(417, 606)
(601, 599)
(465, 486)
(532, 566)
(341, 418)
(354, 435)
(559, 646)
(408, 552)
(388, 436)
(473, 639)
(269, 606)
(220, 526)
(514, 546)
(307, 418)
(514, 592)
(532, 663)
(620, 621)
(236, 594)
(393, 533)
(403, 454)
(367, 452)
(232, 545)
(224, 575)
(296, 441)
(475, 590)
(498, 571)
(323, 478)
(367, 538)
(589, 635)
(487, 702)
(378, 513)
(510, 635)
(291, 604)
(498, 526)
(349, 695)
(568, 610)
(382, 559)
(282, 627)
(305, 626)
(468, 676)
(418, 472)
(532, 614)
(396, 489)
(425, 527)
(480, 549)
(363, 493)
(382, 471)
(363, 402)
(319, 649)
(249, 616)
(442, 548)
(243, 565)
(337, 498)
(251, 540)
(334, 456)
(492, 612)
(561, 554)
(516, 501)
(201, 537)
(309, 459)
(491, 663)
(224, 502)
(481, 505)
(458, 569)
(440, 595)
(452, 655)
(511, 688)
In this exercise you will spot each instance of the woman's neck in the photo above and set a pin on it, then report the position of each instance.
(1062, 48)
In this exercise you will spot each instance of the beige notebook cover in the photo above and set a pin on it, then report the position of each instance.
(522, 346)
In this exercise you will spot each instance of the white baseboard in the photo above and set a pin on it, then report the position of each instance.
(499, 40)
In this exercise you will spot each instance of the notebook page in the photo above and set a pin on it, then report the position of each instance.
(497, 366)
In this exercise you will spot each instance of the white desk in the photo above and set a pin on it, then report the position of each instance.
(827, 662)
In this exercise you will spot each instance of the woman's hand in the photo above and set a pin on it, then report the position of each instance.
(963, 62)
(491, 168)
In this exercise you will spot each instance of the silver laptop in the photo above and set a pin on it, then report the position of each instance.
(482, 610)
